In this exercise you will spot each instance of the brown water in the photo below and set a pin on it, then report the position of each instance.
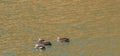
(92, 26)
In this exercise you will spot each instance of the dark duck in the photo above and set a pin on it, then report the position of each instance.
(44, 42)
(37, 46)
(63, 39)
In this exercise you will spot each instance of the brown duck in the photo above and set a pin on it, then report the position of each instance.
(63, 39)
(44, 42)
(37, 46)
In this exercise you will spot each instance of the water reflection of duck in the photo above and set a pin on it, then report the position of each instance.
(44, 42)
(37, 46)
(63, 39)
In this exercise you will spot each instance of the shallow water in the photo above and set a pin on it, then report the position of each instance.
(92, 26)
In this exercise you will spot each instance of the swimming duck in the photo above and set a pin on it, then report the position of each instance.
(37, 46)
(63, 39)
(44, 42)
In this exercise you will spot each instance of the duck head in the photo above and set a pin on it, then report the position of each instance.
(58, 38)
(36, 46)
(40, 40)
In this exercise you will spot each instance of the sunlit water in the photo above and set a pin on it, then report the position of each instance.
(92, 26)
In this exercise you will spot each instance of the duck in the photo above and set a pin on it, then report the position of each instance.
(44, 42)
(37, 46)
(63, 39)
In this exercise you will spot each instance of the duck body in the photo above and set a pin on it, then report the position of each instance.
(63, 39)
(37, 46)
(44, 42)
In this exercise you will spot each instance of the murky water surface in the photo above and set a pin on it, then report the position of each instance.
(93, 27)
